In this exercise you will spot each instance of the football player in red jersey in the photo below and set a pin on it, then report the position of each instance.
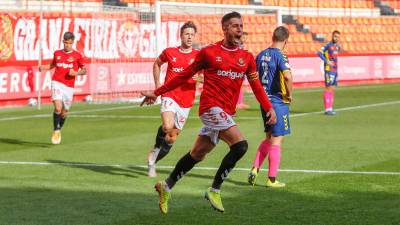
(175, 104)
(68, 64)
(224, 64)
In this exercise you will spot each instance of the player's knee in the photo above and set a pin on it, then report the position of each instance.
(198, 155)
(64, 114)
(167, 128)
(239, 148)
(57, 110)
(171, 138)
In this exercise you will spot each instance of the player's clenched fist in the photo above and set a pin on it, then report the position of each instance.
(149, 98)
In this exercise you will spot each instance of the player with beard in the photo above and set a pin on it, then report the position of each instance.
(225, 64)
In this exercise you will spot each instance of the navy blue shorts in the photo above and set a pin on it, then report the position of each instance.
(282, 126)
(330, 79)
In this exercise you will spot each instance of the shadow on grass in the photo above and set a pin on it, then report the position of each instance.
(106, 169)
(134, 171)
(243, 205)
(24, 143)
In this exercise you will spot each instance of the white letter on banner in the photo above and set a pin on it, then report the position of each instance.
(174, 33)
(19, 39)
(47, 81)
(14, 82)
(24, 82)
(3, 82)
(147, 41)
(113, 40)
(47, 54)
(29, 46)
(54, 34)
(80, 80)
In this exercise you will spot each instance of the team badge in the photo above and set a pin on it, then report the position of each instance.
(6, 38)
(218, 59)
(58, 57)
(241, 62)
(191, 61)
(173, 59)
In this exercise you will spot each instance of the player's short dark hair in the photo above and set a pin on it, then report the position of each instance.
(68, 36)
(229, 16)
(281, 33)
(335, 32)
(189, 24)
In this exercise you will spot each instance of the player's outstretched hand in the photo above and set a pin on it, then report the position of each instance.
(149, 98)
(72, 72)
(271, 117)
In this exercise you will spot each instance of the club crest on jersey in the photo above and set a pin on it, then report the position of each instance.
(241, 62)
(70, 59)
(58, 57)
(191, 61)
(218, 59)
(173, 59)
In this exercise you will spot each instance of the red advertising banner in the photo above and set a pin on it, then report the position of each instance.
(24, 82)
(105, 38)
(351, 68)
(127, 77)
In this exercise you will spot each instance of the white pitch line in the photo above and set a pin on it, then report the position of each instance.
(154, 117)
(241, 117)
(73, 112)
(196, 168)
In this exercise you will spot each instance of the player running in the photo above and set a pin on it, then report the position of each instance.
(274, 71)
(329, 54)
(175, 104)
(225, 64)
(68, 64)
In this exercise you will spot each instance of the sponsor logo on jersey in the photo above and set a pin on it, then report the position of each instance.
(231, 74)
(65, 65)
(177, 69)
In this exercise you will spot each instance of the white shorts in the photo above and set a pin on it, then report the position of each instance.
(214, 121)
(63, 93)
(181, 114)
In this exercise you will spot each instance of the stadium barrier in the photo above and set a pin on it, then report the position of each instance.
(15, 83)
